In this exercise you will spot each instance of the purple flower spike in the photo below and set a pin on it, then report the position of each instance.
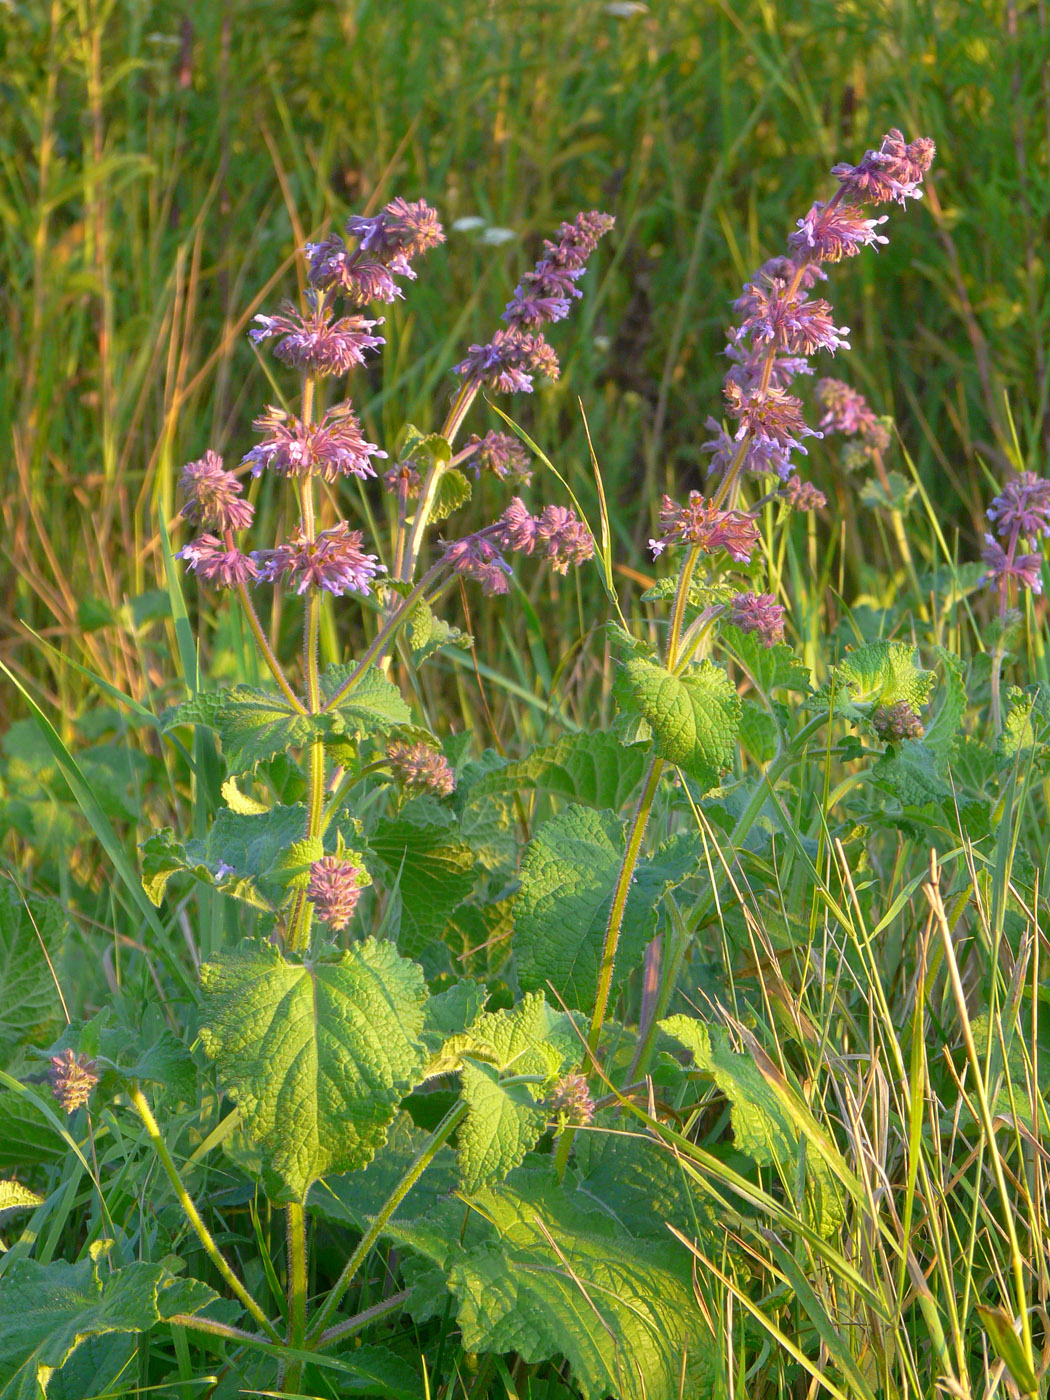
(502, 455)
(217, 562)
(700, 522)
(520, 529)
(332, 448)
(759, 613)
(476, 558)
(333, 561)
(507, 364)
(317, 342)
(545, 293)
(894, 172)
(892, 723)
(401, 232)
(567, 539)
(802, 495)
(213, 495)
(761, 457)
(831, 232)
(422, 768)
(769, 415)
(403, 481)
(1022, 509)
(334, 890)
(333, 268)
(1023, 569)
(789, 322)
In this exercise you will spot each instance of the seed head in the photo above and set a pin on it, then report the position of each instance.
(892, 723)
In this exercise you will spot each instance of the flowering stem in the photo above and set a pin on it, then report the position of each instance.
(384, 635)
(426, 1155)
(350, 781)
(460, 407)
(297, 1286)
(262, 641)
(142, 1108)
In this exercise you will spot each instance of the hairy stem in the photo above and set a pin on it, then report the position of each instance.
(142, 1108)
(263, 643)
(426, 1155)
(460, 406)
(297, 1287)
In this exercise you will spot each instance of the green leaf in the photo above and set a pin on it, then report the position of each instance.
(559, 1277)
(48, 1310)
(773, 668)
(374, 706)
(452, 1011)
(1026, 726)
(32, 938)
(1000, 1328)
(15, 1196)
(252, 856)
(561, 912)
(501, 1126)
(356, 1198)
(427, 634)
(432, 868)
(317, 1055)
(880, 673)
(593, 769)
(453, 490)
(377, 1371)
(26, 1137)
(254, 724)
(770, 1124)
(694, 718)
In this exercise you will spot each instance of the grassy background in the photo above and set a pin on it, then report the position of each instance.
(161, 163)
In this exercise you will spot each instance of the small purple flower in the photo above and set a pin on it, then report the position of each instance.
(72, 1079)
(769, 415)
(567, 539)
(318, 342)
(422, 768)
(802, 495)
(334, 890)
(892, 723)
(1022, 508)
(759, 613)
(218, 562)
(1023, 569)
(333, 560)
(502, 455)
(507, 364)
(830, 232)
(700, 522)
(332, 448)
(213, 495)
(894, 172)
(476, 558)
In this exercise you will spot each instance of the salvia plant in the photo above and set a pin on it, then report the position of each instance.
(429, 1040)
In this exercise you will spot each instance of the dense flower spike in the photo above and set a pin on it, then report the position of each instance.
(788, 321)
(570, 1100)
(502, 455)
(422, 768)
(831, 232)
(402, 231)
(894, 172)
(802, 495)
(519, 528)
(332, 448)
(759, 613)
(769, 416)
(334, 890)
(544, 294)
(1022, 508)
(213, 495)
(702, 523)
(509, 361)
(318, 342)
(333, 561)
(760, 457)
(845, 411)
(1007, 566)
(895, 722)
(218, 562)
(566, 539)
(72, 1079)
(334, 268)
(478, 559)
